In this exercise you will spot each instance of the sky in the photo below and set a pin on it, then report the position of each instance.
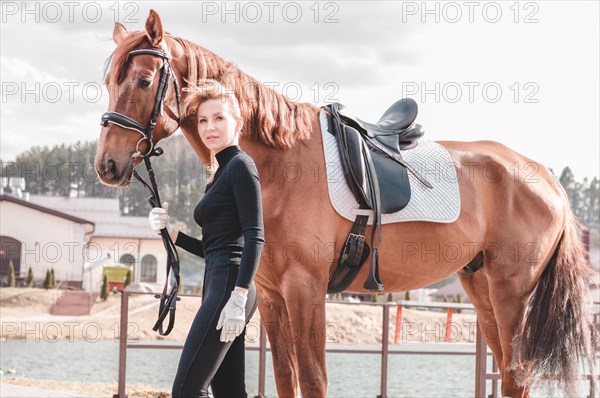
(524, 74)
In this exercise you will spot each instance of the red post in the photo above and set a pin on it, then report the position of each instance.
(448, 323)
(398, 324)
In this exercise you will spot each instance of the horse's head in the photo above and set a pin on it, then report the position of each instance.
(139, 65)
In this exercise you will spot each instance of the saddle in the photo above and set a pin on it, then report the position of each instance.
(377, 176)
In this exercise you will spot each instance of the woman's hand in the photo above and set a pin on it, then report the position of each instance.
(159, 219)
(233, 317)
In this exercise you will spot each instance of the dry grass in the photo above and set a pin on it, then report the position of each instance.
(32, 299)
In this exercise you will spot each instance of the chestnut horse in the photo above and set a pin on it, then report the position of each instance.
(517, 231)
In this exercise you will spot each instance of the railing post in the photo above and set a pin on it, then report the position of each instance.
(494, 382)
(385, 350)
(123, 345)
(262, 360)
(480, 364)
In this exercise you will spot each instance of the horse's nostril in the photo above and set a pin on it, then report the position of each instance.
(111, 167)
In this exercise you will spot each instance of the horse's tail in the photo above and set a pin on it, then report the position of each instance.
(558, 334)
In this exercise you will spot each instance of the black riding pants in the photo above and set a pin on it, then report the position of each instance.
(205, 360)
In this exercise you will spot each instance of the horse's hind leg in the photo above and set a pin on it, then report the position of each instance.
(275, 318)
(512, 271)
(499, 292)
(476, 287)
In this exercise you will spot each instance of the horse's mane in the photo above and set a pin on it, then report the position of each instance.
(269, 117)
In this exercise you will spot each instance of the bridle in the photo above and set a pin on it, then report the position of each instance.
(167, 300)
(128, 123)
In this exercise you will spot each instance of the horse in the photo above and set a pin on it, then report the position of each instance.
(524, 270)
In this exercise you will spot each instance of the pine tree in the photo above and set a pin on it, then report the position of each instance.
(52, 279)
(10, 278)
(30, 277)
(592, 195)
(571, 187)
(104, 289)
(407, 295)
(127, 279)
(458, 301)
(47, 280)
(390, 297)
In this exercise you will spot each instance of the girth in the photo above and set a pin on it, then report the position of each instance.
(377, 176)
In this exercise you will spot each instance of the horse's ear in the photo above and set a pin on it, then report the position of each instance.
(119, 33)
(154, 29)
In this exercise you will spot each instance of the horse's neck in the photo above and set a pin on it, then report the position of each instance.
(195, 62)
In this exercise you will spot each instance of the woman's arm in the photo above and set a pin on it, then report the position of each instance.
(189, 243)
(248, 200)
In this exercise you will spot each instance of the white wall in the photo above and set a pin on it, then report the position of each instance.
(47, 241)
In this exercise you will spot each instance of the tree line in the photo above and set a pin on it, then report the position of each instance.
(584, 197)
(68, 170)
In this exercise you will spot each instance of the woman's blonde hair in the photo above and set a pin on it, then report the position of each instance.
(205, 90)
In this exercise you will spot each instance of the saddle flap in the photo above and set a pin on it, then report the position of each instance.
(351, 148)
(394, 187)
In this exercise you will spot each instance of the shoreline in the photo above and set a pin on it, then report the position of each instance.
(86, 389)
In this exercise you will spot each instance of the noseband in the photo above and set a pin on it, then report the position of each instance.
(167, 300)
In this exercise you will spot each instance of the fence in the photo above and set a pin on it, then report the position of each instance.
(481, 350)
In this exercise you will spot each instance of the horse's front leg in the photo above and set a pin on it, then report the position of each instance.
(304, 295)
(274, 316)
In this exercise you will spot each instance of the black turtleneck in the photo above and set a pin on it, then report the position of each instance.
(230, 214)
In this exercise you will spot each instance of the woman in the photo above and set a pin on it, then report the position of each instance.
(230, 214)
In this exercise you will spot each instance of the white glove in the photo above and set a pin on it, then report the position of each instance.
(159, 218)
(233, 317)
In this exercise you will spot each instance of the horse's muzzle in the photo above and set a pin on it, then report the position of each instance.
(109, 172)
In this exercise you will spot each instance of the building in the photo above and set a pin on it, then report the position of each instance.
(77, 237)
(450, 292)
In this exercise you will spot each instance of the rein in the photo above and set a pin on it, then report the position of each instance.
(168, 299)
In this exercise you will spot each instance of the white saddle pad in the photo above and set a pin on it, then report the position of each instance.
(439, 204)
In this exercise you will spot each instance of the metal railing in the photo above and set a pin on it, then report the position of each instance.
(481, 350)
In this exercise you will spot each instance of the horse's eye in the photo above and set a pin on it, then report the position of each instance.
(144, 83)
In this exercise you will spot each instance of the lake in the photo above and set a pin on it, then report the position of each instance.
(350, 375)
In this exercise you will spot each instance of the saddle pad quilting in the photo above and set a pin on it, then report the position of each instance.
(439, 204)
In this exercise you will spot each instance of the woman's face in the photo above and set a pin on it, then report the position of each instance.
(219, 128)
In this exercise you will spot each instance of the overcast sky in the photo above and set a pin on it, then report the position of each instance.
(525, 74)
